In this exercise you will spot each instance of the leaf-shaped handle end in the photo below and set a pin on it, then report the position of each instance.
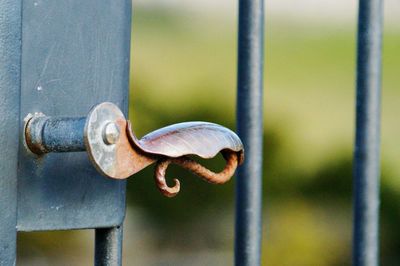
(174, 143)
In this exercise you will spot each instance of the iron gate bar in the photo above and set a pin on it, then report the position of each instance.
(367, 143)
(250, 130)
(108, 246)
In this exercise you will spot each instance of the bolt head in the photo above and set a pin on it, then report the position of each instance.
(111, 133)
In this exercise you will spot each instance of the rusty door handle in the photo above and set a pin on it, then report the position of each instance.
(117, 153)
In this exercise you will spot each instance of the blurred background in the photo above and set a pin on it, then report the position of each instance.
(183, 67)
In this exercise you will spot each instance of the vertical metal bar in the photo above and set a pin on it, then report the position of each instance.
(250, 129)
(367, 143)
(10, 83)
(108, 246)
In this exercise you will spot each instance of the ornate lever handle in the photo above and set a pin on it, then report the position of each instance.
(116, 152)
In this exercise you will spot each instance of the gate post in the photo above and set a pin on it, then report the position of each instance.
(10, 79)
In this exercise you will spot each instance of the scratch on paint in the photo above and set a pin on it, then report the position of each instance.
(45, 65)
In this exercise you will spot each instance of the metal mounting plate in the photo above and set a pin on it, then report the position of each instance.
(75, 54)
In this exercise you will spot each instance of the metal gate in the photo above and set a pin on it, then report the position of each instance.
(58, 58)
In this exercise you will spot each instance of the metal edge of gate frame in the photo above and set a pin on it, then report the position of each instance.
(248, 220)
(10, 80)
(367, 138)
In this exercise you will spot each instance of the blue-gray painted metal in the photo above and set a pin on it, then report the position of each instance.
(367, 143)
(10, 75)
(64, 135)
(57, 134)
(108, 246)
(250, 130)
(75, 54)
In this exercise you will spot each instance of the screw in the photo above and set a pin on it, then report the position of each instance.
(111, 133)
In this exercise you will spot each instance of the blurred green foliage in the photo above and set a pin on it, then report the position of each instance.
(184, 68)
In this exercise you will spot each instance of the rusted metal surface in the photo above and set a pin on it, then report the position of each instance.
(115, 160)
(129, 160)
(117, 153)
(232, 161)
(173, 143)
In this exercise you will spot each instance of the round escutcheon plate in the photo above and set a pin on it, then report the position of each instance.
(102, 127)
